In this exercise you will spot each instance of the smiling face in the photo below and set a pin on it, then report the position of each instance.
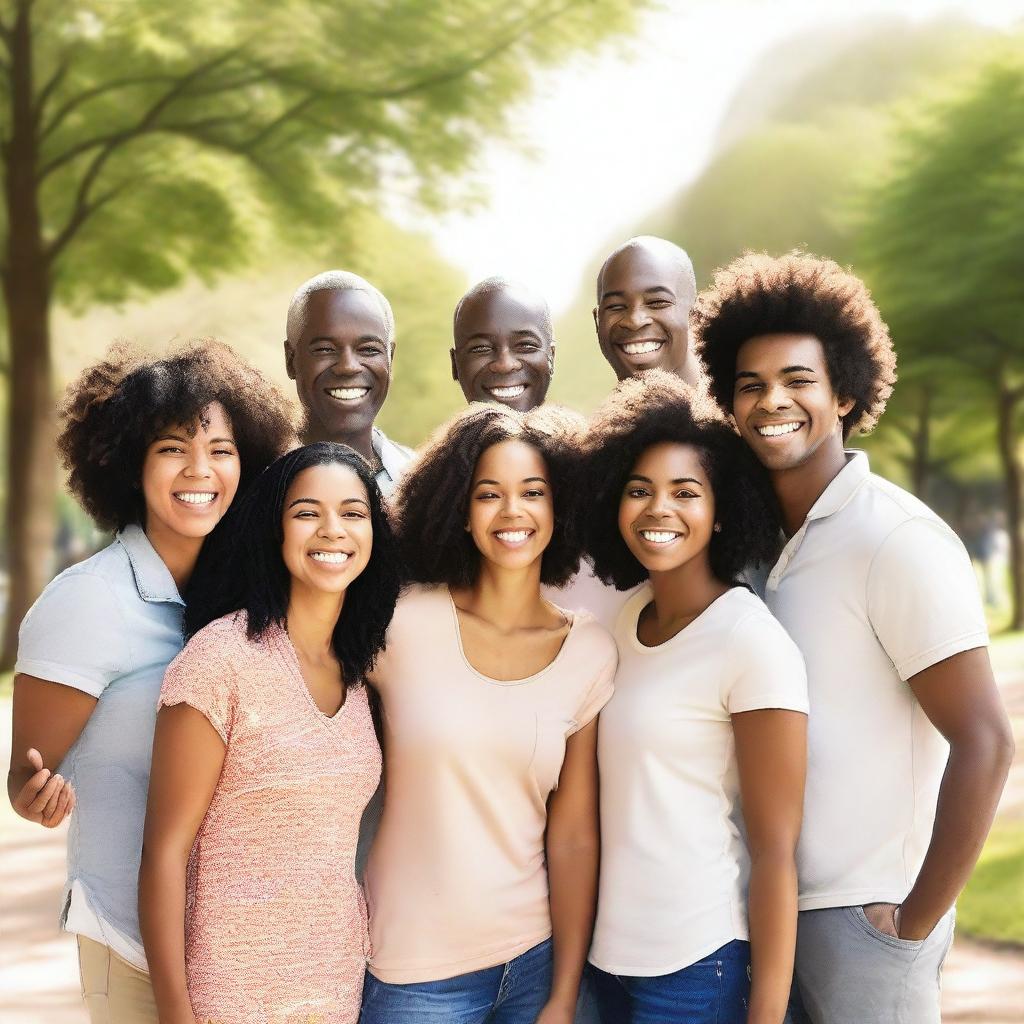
(667, 508)
(328, 534)
(341, 363)
(503, 349)
(783, 401)
(642, 314)
(511, 512)
(190, 476)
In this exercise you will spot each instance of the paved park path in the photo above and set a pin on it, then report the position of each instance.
(39, 968)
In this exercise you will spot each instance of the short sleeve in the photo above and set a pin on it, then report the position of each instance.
(768, 668)
(200, 677)
(922, 597)
(75, 634)
(604, 684)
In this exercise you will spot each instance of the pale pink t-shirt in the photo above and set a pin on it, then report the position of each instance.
(456, 880)
(275, 926)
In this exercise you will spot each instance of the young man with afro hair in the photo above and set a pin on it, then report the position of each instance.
(909, 745)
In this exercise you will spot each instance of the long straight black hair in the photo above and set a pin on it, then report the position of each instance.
(241, 567)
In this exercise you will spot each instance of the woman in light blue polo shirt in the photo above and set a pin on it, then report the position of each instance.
(156, 450)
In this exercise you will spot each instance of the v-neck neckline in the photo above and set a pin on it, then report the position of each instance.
(286, 649)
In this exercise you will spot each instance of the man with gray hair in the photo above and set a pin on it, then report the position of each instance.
(645, 289)
(504, 345)
(339, 349)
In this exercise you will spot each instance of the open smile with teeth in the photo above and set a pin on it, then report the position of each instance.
(641, 348)
(778, 429)
(659, 536)
(196, 497)
(348, 394)
(511, 391)
(513, 536)
(330, 557)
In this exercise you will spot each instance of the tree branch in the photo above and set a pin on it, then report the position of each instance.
(81, 213)
(50, 87)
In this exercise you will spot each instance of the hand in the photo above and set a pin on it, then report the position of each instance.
(556, 1013)
(45, 798)
(882, 916)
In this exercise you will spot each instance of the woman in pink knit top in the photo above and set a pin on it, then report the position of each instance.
(265, 755)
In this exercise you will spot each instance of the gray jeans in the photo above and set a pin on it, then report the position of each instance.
(848, 972)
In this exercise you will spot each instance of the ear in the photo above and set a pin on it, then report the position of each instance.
(455, 368)
(551, 360)
(846, 406)
(391, 353)
(594, 314)
(289, 359)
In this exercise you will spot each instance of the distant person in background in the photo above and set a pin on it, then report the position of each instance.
(156, 450)
(504, 345)
(909, 745)
(645, 289)
(339, 349)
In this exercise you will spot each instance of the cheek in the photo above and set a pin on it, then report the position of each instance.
(230, 472)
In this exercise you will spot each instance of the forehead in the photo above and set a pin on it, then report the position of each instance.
(639, 269)
(330, 483)
(213, 421)
(339, 314)
(767, 354)
(670, 460)
(510, 460)
(499, 311)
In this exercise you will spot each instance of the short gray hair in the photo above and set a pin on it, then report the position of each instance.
(665, 248)
(334, 281)
(490, 285)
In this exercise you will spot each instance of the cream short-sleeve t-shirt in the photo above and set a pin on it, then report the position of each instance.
(674, 865)
(456, 879)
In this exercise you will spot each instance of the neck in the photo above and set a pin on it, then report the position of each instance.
(689, 372)
(800, 487)
(359, 440)
(681, 594)
(508, 597)
(312, 616)
(177, 552)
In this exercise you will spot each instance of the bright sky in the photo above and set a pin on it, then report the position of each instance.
(604, 146)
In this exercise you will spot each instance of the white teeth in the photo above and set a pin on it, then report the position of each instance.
(641, 348)
(512, 392)
(196, 497)
(775, 429)
(512, 536)
(347, 394)
(658, 536)
(333, 557)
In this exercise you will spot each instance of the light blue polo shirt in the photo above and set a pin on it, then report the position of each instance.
(108, 626)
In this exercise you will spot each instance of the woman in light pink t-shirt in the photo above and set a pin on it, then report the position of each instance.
(482, 879)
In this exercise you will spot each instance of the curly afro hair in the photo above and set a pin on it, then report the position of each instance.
(656, 408)
(241, 567)
(118, 406)
(803, 294)
(433, 500)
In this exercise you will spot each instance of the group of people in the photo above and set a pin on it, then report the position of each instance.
(676, 715)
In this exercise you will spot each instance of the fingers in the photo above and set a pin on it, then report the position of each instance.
(52, 788)
(35, 759)
(65, 803)
(31, 790)
(51, 804)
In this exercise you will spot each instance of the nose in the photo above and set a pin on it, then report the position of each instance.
(332, 527)
(347, 364)
(773, 398)
(636, 316)
(511, 507)
(505, 361)
(198, 464)
(657, 507)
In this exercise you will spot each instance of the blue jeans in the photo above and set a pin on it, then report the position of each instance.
(512, 993)
(715, 990)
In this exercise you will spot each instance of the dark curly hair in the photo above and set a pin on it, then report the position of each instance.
(657, 407)
(761, 294)
(241, 567)
(433, 499)
(118, 406)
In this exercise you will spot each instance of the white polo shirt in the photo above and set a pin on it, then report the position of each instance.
(874, 588)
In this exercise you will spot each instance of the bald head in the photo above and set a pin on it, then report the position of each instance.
(645, 289)
(504, 347)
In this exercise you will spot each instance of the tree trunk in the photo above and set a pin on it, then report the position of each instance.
(921, 441)
(31, 420)
(1006, 412)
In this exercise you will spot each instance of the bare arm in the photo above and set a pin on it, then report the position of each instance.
(47, 718)
(961, 699)
(771, 752)
(573, 845)
(188, 755)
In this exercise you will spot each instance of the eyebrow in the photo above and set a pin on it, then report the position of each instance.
(525, 480)
(331, 338)
(318, 502)
(677, 480)
(785, 369)
(647, 291)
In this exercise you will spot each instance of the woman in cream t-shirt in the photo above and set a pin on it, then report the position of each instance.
(482, 878)
(703, 747)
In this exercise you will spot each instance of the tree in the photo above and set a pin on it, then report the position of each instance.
(943, 238)
(142, 142)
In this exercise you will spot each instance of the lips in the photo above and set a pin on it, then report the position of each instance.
(196, 499)
(506, 392)
(783, 429)
(330, 557)
(659, 536)
(348, 394)
(513, 538)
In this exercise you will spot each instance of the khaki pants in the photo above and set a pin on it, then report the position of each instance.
(113, 990)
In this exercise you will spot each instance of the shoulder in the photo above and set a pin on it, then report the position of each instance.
(594, 636)
(222, 641)
(883, 507)
(418, 602)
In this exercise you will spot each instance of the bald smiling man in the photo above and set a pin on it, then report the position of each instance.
(504, 345)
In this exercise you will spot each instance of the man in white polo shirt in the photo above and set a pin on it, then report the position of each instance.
(909, 745)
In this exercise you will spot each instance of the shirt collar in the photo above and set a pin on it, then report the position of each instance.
(153, 579)
(392, 459)
(843, 487)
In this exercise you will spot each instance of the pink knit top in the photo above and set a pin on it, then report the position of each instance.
(275, 925)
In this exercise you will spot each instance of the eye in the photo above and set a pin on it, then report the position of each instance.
(748, 387)
(354, 513)
(306, 513)
(534, 492)
(323, 350)
(486, 496)
(614, 307)
(224, 451)
(638, 492)
(659, 303)
(686, 494)
(800, 381)
(479, 350)
(173, 449)
(370, 351)
(527, 346)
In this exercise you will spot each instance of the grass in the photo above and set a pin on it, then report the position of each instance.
(992, 905)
